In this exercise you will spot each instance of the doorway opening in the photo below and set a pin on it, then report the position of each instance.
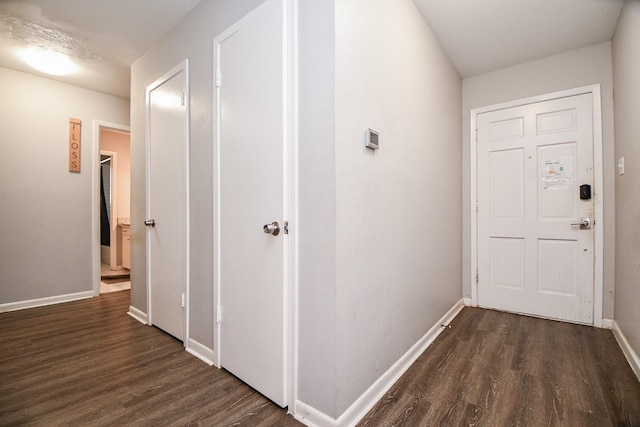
(111, 211)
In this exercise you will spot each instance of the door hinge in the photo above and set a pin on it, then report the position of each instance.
(219, 314)
(286, 227)
(183, 300)
(476, 206)
(218, 79)
(184, 99)
(477, 277)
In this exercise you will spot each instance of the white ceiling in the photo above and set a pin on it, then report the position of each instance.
(486, 35)
(106, 36)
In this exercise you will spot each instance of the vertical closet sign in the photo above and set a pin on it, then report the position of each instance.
(75, 126)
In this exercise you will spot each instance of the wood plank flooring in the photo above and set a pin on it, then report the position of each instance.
(88, 363)
(498, 369)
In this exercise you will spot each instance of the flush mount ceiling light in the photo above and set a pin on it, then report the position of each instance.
(49, 62)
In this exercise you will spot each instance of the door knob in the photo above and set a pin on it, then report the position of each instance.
(273, 228)
(584, 223)
(150, 223)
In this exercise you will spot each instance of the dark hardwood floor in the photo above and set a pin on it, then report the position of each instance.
(498, 369)
(88, 363)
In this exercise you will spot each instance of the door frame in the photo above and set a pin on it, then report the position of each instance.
(182, 67)
(98, 125)
(290, 198)
(598, 174)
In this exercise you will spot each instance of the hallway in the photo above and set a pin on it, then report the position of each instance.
(87, 362)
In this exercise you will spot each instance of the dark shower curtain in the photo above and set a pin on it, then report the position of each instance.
(105, 228)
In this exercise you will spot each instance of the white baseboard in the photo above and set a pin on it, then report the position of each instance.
(40, 302)
(200, 351)
(607, 324)
(140, 316)
(310, 416)
(467, 302)
(629, 352)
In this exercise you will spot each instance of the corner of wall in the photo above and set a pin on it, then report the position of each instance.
(311, 416)
(139, 315)
(626, 85)
(629, 352)
(200, 351)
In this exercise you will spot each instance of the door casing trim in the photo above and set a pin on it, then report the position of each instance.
(598, 176)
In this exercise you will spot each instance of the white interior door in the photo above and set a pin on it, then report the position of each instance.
(250, 194)
(167, 204)
(532, 161)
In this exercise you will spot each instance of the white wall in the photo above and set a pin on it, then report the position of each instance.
(398, 209)
(191, 39)
(626, 74)
(317, 205)
(45, 209)
(581, 67)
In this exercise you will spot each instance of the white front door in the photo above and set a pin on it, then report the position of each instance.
(167, 263)
(532, 257)
(250, 264)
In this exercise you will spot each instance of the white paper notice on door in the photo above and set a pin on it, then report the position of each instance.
(557, 174)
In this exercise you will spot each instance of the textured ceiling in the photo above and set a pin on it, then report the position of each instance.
(485, 35)
(103, 37)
